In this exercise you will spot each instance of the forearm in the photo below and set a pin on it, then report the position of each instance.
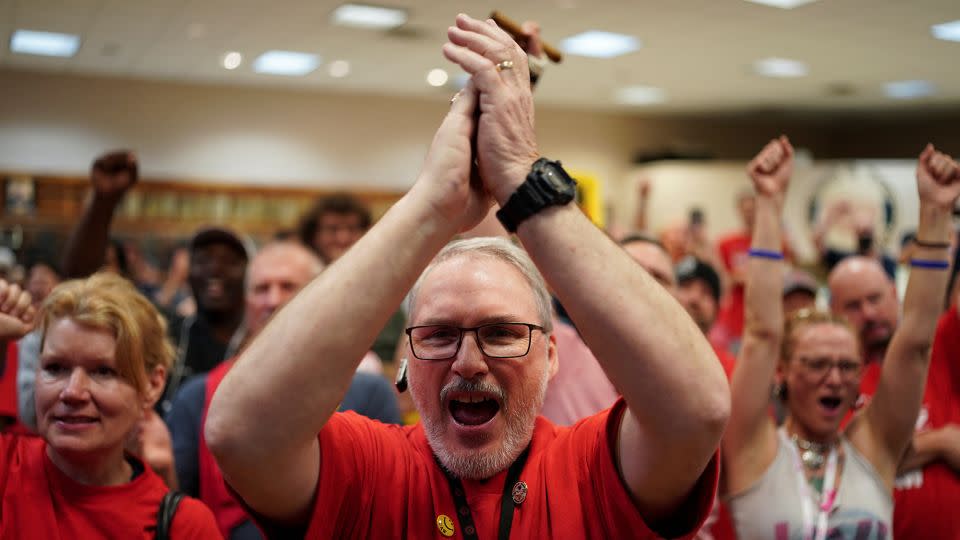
(640, 217)
(926, 287)
(87, 246)
(763, 332)
(645, 341)
(168, 292)
(926, 448)
(286, 385)
(893, 410)
(764, 279)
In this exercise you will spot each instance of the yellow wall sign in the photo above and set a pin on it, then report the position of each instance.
(590, 197)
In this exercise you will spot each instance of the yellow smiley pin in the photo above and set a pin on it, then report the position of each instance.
(445, 525)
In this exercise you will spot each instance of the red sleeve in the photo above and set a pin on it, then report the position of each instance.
(726, 255)
(193, 520)
(943, 379)
(359, 458)
(615, 504)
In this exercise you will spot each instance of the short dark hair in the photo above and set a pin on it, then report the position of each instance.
(641, 237)
(337, 203)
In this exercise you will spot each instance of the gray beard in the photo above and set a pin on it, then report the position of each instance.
(520, 418)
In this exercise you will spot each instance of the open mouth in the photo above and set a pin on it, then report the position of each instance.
(831, 403)
(75, 420)
(473, 409)
(215, 288)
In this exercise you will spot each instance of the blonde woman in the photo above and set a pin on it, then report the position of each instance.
(810, 479)
(103, 363)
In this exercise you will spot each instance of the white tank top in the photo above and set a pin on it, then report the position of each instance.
(771, 509)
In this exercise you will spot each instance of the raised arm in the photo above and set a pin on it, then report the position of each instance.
(888, 421)
(646, 343)
(110, 176)
(641, 215)
(750, 442)
(263, 421)
(16, 313)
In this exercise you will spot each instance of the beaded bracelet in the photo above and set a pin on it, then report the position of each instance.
(928, 264)
(765, 254)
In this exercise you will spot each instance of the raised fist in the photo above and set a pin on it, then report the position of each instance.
(938, 178)
(16, 311)
(113, 174)
(772, 168)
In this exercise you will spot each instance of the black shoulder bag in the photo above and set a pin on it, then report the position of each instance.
(168, 507)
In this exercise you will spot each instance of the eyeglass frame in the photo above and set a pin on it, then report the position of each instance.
(530, 328)
(838, 364)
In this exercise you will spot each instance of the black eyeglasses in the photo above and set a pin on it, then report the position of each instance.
(496, 340)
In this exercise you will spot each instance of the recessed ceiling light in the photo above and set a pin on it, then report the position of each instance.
(909, 89)
(232, 60)
(339, 69)
(640, 95)
(437, 77)
(947, 31)
(780, 67)
(782, 4)
(597, 44)
(286, 63)
(44, 43)
(367, 16)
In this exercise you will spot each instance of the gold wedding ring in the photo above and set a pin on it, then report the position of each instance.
(506, 64)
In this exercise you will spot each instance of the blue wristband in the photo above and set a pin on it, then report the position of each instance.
(928, 264)
(765, 254)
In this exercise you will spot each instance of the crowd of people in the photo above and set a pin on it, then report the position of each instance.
(483, 361)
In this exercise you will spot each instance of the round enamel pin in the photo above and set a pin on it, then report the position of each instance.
(519, 492)
(445, 525)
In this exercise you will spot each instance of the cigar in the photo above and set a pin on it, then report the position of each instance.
(516, 31)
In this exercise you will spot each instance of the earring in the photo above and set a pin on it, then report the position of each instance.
(401, 381)
(777, 391)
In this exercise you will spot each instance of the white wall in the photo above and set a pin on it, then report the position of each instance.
(56, 124)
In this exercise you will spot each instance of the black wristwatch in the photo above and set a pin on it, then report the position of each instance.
(546, 185)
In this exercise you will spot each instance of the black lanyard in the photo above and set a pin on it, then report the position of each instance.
(507, 503)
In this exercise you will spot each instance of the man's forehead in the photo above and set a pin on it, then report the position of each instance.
(857, 277)
(280, 265)
(489, 282)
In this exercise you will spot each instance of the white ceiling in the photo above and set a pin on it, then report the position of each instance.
(699, 51)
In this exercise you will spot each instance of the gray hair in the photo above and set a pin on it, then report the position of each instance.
(292, 248)
(500, 249)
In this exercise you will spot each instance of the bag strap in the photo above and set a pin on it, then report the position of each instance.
(168, 507)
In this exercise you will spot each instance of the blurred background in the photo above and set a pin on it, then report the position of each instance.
(242, 112)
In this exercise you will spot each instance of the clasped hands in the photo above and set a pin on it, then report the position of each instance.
(486, 144)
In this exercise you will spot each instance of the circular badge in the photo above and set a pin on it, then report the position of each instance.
(519, 492)
(445, 525)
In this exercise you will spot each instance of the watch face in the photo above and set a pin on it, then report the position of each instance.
(559, 180)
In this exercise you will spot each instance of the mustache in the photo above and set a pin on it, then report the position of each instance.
(463, 385)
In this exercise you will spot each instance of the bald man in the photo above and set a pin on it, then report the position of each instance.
(861, 290)
(275, 275)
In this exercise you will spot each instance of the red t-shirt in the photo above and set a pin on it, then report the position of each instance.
(923, 499)
(733, 250)
(379, 481)
(8, 381)
(40, 502)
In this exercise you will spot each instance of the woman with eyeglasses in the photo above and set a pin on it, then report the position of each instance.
(810, 479)
(103, 362)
